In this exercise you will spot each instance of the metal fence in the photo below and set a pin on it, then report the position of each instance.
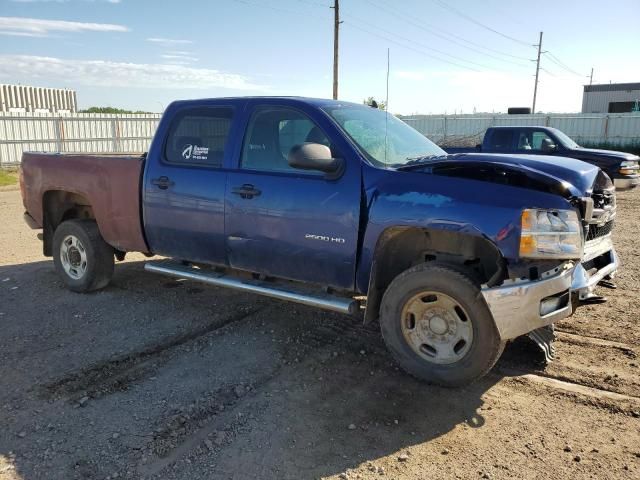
(104, 133)
(73, 133)
(467, 130)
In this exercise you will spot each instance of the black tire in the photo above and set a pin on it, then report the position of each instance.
(98, 268)
(486, 346)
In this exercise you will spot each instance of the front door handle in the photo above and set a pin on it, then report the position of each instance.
(162, 183)
(246, 191)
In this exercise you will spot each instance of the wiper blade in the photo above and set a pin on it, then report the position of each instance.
(417, 161)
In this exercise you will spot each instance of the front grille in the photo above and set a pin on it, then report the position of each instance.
(597, 231)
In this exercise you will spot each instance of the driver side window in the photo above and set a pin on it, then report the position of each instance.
(271, 134)
(537, 138)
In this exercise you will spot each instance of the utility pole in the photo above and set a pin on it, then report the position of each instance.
(591, 77)
(336, 27)
(535, 88)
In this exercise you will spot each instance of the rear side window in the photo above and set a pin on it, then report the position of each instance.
(199, 136)
(501, 140)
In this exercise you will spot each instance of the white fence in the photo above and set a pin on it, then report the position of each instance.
(103, 133)
(73, 133)
(467, 130)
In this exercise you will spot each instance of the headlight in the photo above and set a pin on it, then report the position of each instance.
(628, 167)
(550, 234)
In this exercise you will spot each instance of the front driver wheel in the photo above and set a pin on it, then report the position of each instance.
(437, 325)
(81, 257)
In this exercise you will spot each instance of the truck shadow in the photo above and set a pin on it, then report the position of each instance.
(327, 397)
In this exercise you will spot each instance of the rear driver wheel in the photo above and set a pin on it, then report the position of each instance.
(81, 257)
(437, 325)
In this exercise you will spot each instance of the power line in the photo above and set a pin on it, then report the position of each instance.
(448, 36)
(473, 20)
(375, 34)
(561, 64)
(429, 29)
(408, 40)
(405, 39)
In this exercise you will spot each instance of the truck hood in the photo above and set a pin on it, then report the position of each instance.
(564, 176)
(593, 153)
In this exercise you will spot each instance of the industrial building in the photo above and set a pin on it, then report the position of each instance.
(611, 98)
(24, 99)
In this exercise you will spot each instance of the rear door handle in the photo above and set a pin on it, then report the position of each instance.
(246, 191)
(162, 183)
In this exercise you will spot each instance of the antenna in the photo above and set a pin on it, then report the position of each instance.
(386, 102)
(386, 110)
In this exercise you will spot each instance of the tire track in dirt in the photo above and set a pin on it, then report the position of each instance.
(582, 367)
(592, 397)
(210, 422)
(117, 374)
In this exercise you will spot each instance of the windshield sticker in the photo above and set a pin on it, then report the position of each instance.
(194, 152)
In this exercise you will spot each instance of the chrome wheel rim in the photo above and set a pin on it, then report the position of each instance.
(73, 257)
(437, 328)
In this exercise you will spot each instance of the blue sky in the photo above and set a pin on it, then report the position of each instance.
(446, 55)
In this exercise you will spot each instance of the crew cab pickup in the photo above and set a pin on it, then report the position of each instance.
(342, 207)
(621, 167)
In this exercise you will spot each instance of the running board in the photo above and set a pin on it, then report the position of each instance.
(343, 305)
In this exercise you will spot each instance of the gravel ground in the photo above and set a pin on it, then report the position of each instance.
(162, 379)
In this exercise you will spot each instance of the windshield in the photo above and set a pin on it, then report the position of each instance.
(386, 140)
(565, 140)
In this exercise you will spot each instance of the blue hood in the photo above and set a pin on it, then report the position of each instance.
(567, 176)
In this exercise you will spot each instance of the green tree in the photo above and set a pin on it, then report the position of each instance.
(109, 110)
(372, 101)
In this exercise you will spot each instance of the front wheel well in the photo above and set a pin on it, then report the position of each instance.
(401, 248)
(59, 206)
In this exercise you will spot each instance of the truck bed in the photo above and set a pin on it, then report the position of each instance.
(110, 185)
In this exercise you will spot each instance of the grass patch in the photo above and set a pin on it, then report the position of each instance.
(633, 147)
(8, 178)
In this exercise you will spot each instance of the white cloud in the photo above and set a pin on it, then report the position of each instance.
(169, 42)
(102, 73)
(35, 27)
(408, 75)
(63, 1)
(181, 59)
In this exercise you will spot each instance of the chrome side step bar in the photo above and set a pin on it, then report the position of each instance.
(343, 305)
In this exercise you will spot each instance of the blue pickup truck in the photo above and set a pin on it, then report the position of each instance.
(342, 207)
(621, 167)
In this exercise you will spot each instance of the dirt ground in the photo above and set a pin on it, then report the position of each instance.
(162, 379)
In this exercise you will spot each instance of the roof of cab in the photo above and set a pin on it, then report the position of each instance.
(317, 102)
(522, 127)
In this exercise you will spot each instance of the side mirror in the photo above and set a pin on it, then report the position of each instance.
(313, 156)
(548, 146)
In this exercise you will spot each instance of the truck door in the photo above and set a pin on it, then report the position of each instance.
(291, 223)
(184, 186)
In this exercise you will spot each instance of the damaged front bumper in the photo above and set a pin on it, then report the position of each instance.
(519, 307)
(600, 262)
